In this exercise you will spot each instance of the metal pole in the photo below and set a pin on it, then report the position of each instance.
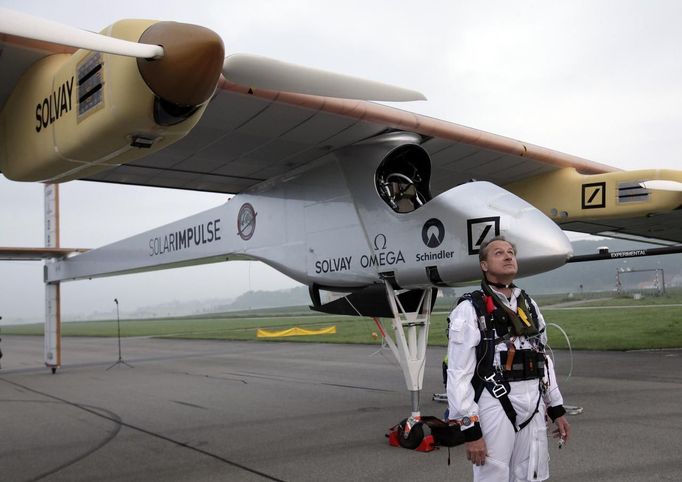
(118, 324)
(52, 351)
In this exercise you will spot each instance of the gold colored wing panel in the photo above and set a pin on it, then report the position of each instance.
(17, 55)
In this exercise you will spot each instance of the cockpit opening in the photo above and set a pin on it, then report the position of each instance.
(403, 178)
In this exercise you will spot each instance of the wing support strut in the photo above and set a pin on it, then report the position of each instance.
(53, 337)
(632, 253)
(411, 331)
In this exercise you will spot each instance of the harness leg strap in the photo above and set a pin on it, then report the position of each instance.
(509, 408)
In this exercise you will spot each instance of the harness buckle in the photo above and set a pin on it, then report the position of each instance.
(497, 389)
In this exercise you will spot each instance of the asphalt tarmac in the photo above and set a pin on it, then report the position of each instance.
(242, 411)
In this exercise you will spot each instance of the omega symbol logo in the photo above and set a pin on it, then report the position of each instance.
(379, 242)
(433, 233)
(246, 221)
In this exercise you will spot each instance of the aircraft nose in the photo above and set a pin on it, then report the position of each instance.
(540, 244)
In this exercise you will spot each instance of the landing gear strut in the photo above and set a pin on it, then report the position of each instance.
(411, 331)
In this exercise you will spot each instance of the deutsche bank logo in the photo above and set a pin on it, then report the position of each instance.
(480, 230)
(594, 195)
(433, 233)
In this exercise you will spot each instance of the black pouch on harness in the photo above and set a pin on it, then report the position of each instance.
(526, 365)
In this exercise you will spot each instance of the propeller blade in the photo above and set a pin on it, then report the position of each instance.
(28, 26)
(265, 73)
(660, 185)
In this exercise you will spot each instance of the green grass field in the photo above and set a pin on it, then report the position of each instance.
(613, 324)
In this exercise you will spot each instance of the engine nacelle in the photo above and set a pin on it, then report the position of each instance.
(72, 115)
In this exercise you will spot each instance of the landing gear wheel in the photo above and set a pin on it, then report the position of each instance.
(54, 370)
(414, 438)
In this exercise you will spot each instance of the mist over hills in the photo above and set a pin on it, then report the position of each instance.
(601, 275)
(593, 276)
(297, 296)
(269, 299)
(576, 278)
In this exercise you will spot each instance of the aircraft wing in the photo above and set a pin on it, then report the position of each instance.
(247, 136)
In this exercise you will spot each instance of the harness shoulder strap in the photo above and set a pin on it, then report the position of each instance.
(531, 308)
(477, 299)
(485, 350)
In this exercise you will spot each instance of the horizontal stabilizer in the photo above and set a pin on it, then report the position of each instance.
(37, 254)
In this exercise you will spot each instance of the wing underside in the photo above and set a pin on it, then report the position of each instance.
(248, 137)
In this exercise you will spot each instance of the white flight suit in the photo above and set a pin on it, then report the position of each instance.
(512, 456)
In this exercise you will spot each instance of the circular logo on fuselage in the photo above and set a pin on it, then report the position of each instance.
(433, 233)
(246, 221)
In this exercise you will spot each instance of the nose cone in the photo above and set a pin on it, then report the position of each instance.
(540, 244)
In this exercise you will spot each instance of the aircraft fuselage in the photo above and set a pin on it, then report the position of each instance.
(327, 224)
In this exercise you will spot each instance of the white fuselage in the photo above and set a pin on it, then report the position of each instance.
(325, 224)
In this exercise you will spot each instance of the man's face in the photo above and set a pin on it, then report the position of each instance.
(500, 262)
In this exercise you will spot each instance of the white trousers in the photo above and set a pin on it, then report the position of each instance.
(514, 456)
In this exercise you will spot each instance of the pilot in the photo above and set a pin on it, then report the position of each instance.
(501, 385)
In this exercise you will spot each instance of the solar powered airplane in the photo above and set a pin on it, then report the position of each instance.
(339, 193)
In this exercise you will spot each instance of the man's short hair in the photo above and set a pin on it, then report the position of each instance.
(483, 252)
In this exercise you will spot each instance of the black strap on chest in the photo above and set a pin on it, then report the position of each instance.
(495, 329)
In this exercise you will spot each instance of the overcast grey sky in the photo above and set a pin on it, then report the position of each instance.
(598, 79)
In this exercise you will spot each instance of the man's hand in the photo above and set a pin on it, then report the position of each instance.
(476, 451)
(563, 429)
